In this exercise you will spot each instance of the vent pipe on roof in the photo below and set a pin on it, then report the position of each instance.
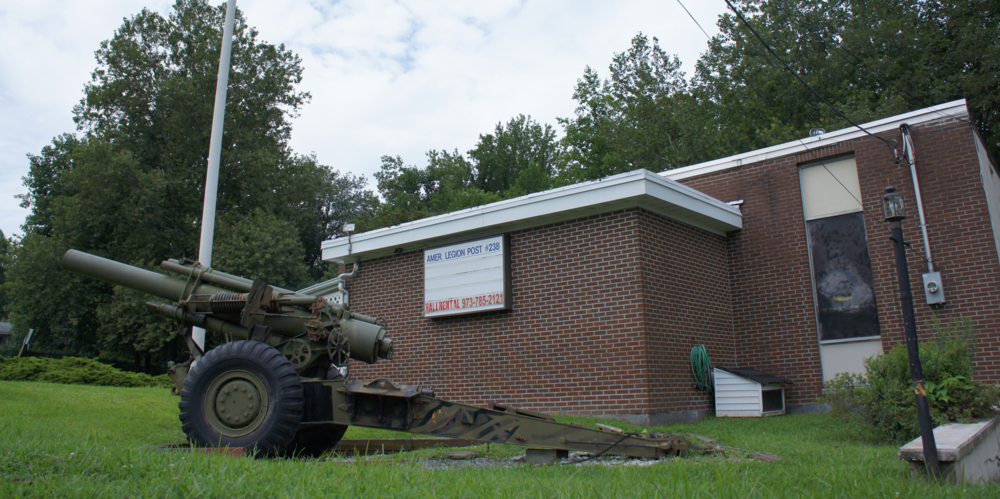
(911, 157)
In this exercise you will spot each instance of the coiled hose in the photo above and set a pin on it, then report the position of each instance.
(701, 367)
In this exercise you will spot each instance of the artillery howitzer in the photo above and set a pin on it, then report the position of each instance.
(281, 382)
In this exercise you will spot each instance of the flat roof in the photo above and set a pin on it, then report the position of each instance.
(659, 193)
(948, 110)
(640, 188)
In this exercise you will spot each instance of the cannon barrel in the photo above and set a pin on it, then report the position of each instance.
(219, 285)
(142, 280)
(230, 281)
(217, 303)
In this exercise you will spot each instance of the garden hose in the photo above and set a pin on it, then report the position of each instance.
(701, 366)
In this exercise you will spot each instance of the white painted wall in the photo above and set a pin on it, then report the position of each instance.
(847, 357)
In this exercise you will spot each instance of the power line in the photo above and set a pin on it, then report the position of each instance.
(797, 77)
(885, 224)
(792, 13)
(693, 19)
(812, 152)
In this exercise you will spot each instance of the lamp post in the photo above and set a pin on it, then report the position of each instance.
(892, 208)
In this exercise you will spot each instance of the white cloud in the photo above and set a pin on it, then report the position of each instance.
(386, 77)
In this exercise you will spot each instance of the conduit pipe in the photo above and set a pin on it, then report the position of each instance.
(343, 277)
(911, 156)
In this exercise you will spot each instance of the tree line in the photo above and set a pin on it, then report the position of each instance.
(866, 59)
(129, 183)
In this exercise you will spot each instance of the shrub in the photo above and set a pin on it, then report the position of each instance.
(75, 371)
(883, 400)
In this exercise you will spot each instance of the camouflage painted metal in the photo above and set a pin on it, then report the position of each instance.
(380, 404)
(280, 383)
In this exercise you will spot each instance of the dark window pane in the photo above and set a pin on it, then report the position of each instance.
(843, 276)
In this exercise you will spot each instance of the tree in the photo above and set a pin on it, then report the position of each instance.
(130, 187)
(640, 117)
(869, 59)
(517, 159)
(409, 193)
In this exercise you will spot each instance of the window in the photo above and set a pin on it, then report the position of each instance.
(842, 276)
(838, 251)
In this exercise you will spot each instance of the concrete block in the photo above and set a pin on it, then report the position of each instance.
(967, 452)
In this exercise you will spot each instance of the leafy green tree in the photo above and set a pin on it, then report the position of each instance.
(130, 188)
(755, 101)
(869, 59)
(45, 183)
(318, 200)
(57, 304)
(446, 184)
(263, 246)
(640, 117)
(517, 159)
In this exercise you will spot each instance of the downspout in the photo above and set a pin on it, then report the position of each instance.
(340, 285)
(911, 155)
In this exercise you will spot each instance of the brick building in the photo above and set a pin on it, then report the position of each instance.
(775, 259)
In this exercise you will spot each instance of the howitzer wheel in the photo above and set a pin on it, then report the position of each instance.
(242, 394)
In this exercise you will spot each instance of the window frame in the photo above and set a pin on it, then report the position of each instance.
(809, 246)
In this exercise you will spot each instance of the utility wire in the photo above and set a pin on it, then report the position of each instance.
(812, 152)
(872, 72)
(693, 19)
(797, 77)
(817, 94)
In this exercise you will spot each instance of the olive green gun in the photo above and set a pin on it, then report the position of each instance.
(280, 382)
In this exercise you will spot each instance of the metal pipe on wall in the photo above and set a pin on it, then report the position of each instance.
(911, 157)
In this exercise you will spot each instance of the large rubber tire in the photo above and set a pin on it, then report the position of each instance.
(242, 394)
(315, 440)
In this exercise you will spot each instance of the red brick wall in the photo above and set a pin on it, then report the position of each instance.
(607, 308)
(774, 323)
(961, 239)
(773, 315)
(687, 302)
(575, 341)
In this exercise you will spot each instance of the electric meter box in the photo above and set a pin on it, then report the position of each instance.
(933, 290)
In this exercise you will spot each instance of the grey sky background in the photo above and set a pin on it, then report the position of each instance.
(386, 77)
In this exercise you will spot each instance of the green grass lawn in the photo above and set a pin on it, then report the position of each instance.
(85, 441)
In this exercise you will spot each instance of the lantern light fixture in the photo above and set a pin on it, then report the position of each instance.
(892, 205)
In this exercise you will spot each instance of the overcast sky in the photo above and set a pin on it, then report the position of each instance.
(385, 77)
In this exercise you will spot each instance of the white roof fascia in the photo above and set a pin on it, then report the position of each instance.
(954, 109)
(637, 188)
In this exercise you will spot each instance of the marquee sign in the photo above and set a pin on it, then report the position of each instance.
(468, 277)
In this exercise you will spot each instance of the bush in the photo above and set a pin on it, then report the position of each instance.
(74, 371)
(883, 400)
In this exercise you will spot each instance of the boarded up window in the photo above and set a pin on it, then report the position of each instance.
(842, 273)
